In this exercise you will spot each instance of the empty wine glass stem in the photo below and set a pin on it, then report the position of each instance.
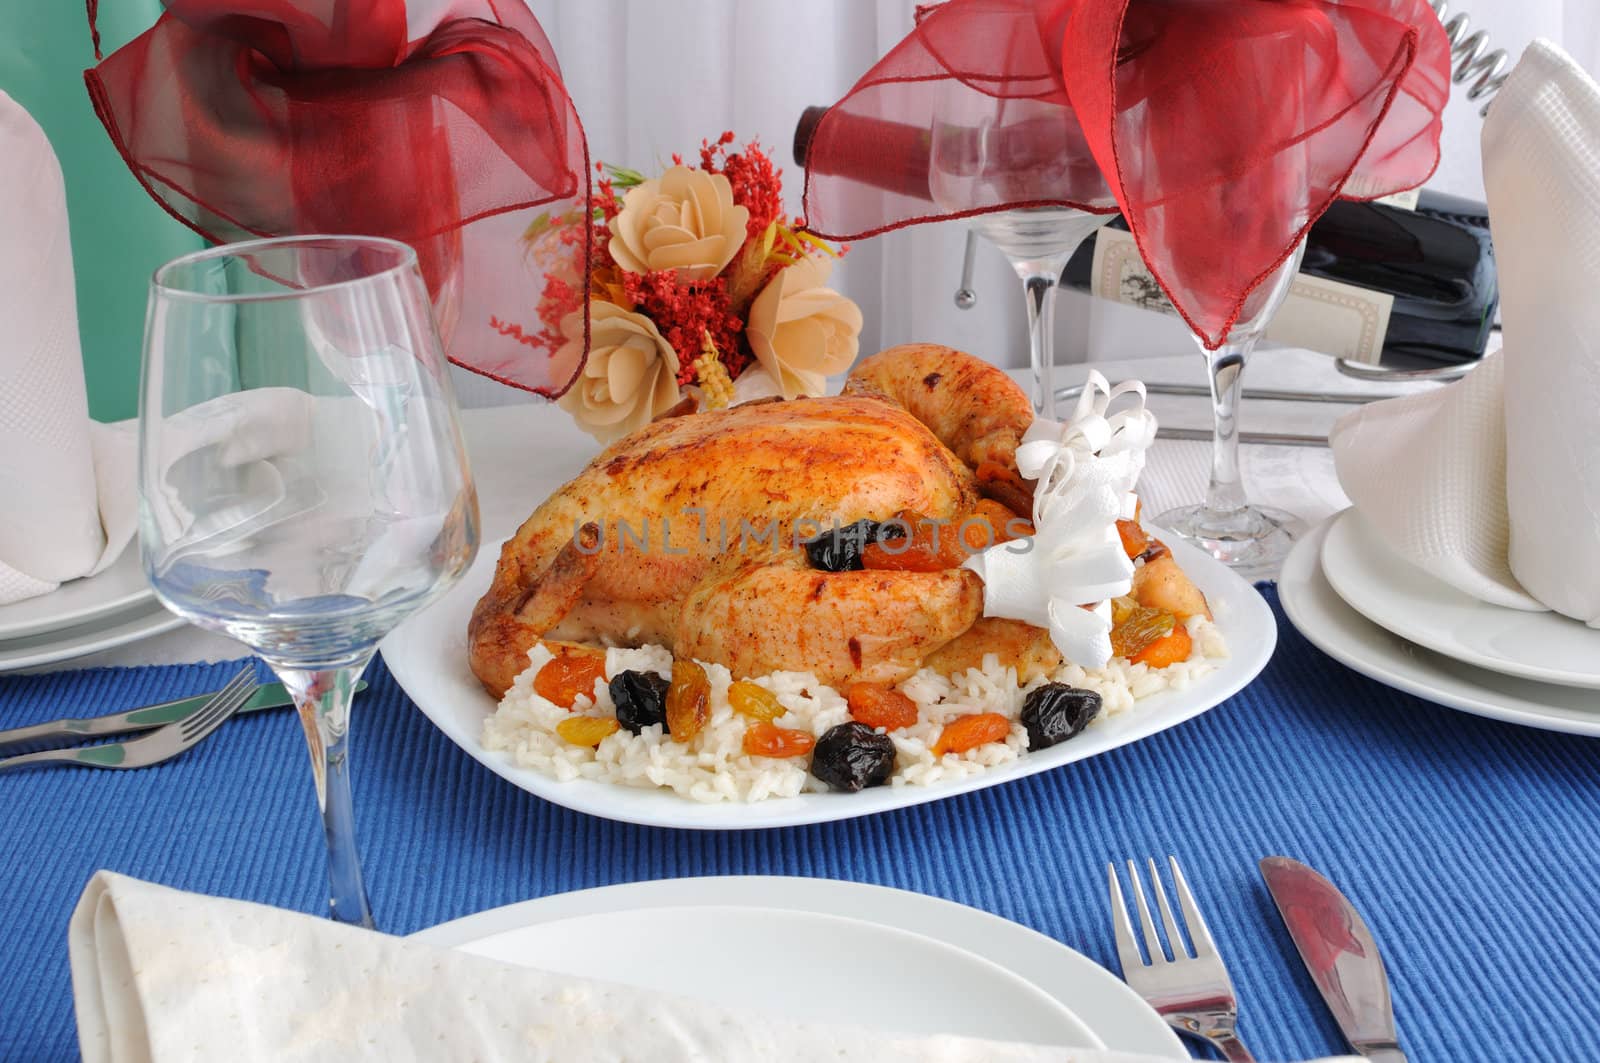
(1039, 289)
(1225, 366)
(322, 696)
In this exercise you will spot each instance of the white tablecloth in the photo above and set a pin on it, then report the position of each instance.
(520, 453)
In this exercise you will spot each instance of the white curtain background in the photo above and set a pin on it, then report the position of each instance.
(654, 77)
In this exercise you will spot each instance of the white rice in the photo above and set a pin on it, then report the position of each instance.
(714, 767)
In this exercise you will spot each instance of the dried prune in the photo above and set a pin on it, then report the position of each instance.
(852, 756)
(839, 549)
(640, 698)
(1056, 712)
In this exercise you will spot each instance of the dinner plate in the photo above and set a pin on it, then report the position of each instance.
(774, 944)
(80, 601)
(427, 655)
(1350, 638)
(104, 633)
(1393, 593)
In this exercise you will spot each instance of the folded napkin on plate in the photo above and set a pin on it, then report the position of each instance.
(67, 482)
(1493, 484)
(162, 975)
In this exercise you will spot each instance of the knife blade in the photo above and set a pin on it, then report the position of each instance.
(1340, 954)
(57, 733)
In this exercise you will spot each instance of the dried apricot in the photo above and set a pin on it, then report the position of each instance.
(688, 700)
(1169, 649)
(1135, 540)
(880, 706)
(1138, 629)
(970, 732)
(587, 730)
(1006, 524)
(1005, 486)
(755, 701)
(568, 674)
(763, 739)
(932, 546)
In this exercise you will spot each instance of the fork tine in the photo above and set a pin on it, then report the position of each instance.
(1127, 948)
(219, 708)
(1152, 943)
(1174, 937)
(1199, 934)
(218, 702)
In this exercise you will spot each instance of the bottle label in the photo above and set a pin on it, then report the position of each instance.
(1323, 315)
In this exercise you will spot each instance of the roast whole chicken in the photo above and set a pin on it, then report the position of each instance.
(689, 532)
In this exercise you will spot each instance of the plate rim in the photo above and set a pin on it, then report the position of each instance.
(1350, 535)
(977, 932)
(1412, 674)
(656, 808)
(108, 633)
(129, 559)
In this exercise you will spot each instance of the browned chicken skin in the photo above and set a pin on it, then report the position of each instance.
(686, 533)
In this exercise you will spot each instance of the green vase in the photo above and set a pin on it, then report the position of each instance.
(119, 234)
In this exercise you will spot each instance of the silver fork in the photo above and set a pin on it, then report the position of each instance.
(164, 743)
(1193, 993)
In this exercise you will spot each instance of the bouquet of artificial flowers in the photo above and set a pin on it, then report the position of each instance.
(701, 294)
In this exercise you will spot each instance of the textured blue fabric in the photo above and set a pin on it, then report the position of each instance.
(1472, 847)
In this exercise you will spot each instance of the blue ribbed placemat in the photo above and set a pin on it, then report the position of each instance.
(1472, 847)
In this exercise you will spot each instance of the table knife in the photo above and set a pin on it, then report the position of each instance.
(58, 733)
(1340, 953)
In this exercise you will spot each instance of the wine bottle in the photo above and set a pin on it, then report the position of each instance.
(1380, 281)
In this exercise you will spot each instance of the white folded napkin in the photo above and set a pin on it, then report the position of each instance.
(1493, 483)
(160, 975)
(69, 505)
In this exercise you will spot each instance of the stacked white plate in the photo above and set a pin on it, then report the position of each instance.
(83, 616)
(1362, 604)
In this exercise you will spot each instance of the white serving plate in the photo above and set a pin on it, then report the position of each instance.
(917, 965)
(1393, 593)
(428, 657)
(80, 601)
(102, 633)
(1350, 638)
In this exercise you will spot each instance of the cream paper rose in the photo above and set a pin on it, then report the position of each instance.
(802, 332)
(630, 377)
(684, 220)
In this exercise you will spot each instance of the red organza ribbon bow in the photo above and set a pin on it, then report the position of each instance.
(1221, 128)
(249, 118)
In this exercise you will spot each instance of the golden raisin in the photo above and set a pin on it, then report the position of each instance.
(568, 674)
(755, 701)
(880, 706)
(970, 732)
(1138, 629)
(688, 700)
(763, 739)
(587, 730)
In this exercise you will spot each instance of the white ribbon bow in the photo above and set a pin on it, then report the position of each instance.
(1086, 470)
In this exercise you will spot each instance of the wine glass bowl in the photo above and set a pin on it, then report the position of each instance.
(303, 482)
(986, 152)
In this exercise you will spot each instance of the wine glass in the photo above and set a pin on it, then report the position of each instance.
(303, 484)
(1251, 538)
(985, 151)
